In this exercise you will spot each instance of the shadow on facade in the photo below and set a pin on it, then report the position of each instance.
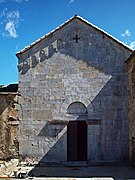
(111, 131)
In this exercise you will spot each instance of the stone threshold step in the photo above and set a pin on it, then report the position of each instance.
(77, 164)
(94, 178)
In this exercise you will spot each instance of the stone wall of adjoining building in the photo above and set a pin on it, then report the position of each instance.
(9, 125)
(131, 71)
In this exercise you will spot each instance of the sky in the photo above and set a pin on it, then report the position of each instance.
(24, 21)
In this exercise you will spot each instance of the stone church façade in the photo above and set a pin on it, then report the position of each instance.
(73, 85)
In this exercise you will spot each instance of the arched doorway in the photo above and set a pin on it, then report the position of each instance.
(77, 134)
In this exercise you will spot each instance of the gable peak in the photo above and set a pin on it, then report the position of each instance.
(76, 16)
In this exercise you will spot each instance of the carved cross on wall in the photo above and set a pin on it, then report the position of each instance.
(76, 38)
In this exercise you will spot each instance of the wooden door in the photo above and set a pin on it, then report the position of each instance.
(77, 141)
(72, 141)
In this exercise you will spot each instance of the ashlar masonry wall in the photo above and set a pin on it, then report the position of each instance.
(60, 70)
(131, 72)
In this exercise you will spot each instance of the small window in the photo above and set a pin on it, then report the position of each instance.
(77, 108)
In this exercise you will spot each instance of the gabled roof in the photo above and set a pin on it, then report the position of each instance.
(66, 22)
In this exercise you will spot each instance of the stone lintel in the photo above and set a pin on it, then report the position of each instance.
(58, 122)
(65, 122)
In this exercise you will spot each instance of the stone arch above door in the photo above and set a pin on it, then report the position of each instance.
(72, 99)
(77, 108)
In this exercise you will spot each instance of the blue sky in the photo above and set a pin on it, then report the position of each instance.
(24, 21)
